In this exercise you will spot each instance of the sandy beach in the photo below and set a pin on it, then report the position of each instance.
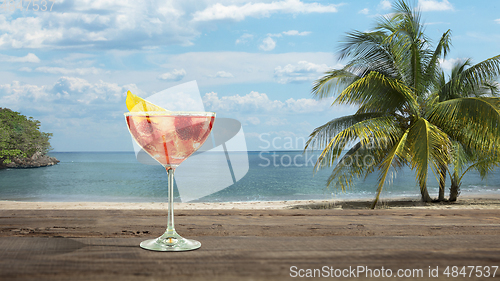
(282, 240)
(465, 202)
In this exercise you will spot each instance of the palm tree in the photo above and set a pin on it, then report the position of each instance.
(461, 157)
(390, 75)
(461, 84)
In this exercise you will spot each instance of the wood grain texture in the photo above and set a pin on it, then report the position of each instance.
(242, 244)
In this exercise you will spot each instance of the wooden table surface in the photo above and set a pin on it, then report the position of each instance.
(248, 245)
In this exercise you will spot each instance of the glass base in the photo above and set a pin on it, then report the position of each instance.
(172, 242)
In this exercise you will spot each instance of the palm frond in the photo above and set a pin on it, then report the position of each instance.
(483, 166)
(481, 72)
(460, 157)
(362, 160)
(350, 167)
(321, 136)
(484, 163)
(395, 156)
(432, 70)
(333, 80)
(412, 42)
(364, 131)
(429, 148)
(489, 88)
(369, 52)
(359, 44)
(376, 86)
(473, 121)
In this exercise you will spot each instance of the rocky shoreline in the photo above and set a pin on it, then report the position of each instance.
(35, 161)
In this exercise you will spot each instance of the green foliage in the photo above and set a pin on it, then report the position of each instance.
(20, 136)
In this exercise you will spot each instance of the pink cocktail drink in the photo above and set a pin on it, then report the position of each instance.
(169, 139)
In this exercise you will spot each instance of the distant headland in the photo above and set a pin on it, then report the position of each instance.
(35, 161)
(22, 144)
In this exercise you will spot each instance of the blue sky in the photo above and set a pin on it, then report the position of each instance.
(253, 61)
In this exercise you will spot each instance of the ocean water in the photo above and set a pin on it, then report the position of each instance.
(272, 176)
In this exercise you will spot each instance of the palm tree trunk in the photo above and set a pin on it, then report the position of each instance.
(425, 194)
(455, 188)
(442, 182)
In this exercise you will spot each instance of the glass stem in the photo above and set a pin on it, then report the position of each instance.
(170, 224)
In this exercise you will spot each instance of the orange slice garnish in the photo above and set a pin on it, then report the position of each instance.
(138, 104)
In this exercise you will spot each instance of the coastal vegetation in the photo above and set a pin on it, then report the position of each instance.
(21, 139)
(409, 112)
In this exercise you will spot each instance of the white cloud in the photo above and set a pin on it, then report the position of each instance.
(299, 72)
(276, 121)
(447, 64)
(62, 96)
(434, 5)
(252, 102)
(268, 44)
(175, 75)
(365, 11)
(84, 92)
(385, 5)
(30, 57)
(131, 24)
(246, 67)
(497, 21)
(82, 115)
(244, 38)
(25, 32)
(111, 24)
(222, 74)
(17, 93)
(67, 71)
(296, 33)
(219, 11)
(253, 120)
(289, 33)
(256, 102)
(275, 34)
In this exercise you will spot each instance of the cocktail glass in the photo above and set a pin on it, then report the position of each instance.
(170, 137)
